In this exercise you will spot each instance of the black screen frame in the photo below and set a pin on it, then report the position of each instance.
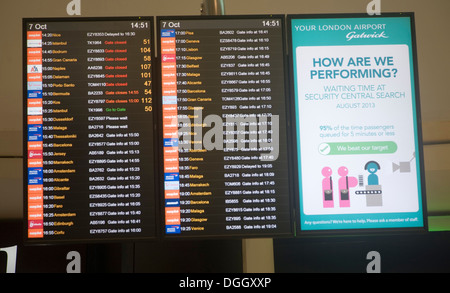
(180, 236)
(43, 241)
(422, 196)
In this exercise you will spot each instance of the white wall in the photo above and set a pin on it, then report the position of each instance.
(432, 24)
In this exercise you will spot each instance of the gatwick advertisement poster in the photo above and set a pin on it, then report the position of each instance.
(356, 122)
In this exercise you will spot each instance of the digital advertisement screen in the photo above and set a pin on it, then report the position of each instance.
(224, 120)
(89, 129)
(357, 119)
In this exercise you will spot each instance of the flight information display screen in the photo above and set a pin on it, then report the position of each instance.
(224, 145)
(89, 129)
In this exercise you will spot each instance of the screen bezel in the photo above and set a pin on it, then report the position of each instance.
(417, 114)
(282, 18)
(44, 241)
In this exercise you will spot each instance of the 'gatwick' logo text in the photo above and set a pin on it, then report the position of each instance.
(353, 35)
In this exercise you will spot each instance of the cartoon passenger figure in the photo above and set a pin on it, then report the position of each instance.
(327, 188)
(372, 167)
(345, 183)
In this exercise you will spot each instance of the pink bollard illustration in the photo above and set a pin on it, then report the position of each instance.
(327, 188)
(345, 183)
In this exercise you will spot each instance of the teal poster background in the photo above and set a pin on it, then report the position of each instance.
(321, 48)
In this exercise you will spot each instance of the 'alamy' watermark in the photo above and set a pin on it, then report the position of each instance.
(374, 266)
(374, 7)
(230, 133)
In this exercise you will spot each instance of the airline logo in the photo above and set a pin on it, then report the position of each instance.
(171, 176)
(35, 137)
(34, 111)
(169, 88)
(35, 233)
(168, 33)
(170, 91)
(169, 83)
(172, 202)
(34, 61)
(35, 181)
(34, 43)
(172, 194)
(169, 66)
(34, 53)
(170, 133)
(170, 142)
(171, 152)
(34, 35)
(34, 68)
(36, 189)
(169, 100)
(168, 50)
(35, 130)
(34, 77)
(35, 198)
(34, 39)
(171, 165)
(35, 145)
(35, 207)
(170, 120)
(168, 46)
(34, 103)
(34, 94)
(35, 85)
(170, 109)
(35, 172)
(168, 42)
(168, 58)
(35, 154)
(35, 224)
(172, 229)
(172, 185)
(34, 119)
(172, 215)
(35, 163)
(35, 214)
(169, 74)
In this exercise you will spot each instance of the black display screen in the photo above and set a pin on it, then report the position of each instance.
(223, 116)
(89, 129)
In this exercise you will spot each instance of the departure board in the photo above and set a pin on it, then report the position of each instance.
(224, 145)
(89, 129)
